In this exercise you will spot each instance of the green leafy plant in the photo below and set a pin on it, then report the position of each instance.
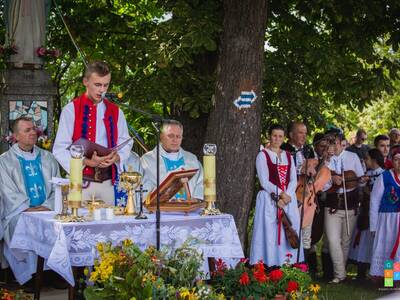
(245, 282)
(126, 272)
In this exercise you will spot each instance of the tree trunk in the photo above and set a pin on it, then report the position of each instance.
(237, 132)
(193, 133)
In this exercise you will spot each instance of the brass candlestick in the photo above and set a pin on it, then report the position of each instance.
(64, 193)
(129, 181)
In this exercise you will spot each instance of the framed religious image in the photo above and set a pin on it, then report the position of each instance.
(37, 110)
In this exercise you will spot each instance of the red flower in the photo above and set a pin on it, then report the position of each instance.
(292, 286)
(244, 260)
(55, 53)
(259, 272)
(221, 267)
(14, 49)
(244, 279)
(276, 275)
(302, 267)
(289, 255)
(41, 51)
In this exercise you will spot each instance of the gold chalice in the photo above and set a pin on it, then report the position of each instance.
(129, 181)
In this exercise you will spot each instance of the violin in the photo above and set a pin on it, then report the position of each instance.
(290, 233)
(351, 179)
(308, 187)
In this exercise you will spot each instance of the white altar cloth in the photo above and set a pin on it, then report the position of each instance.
(64, 245)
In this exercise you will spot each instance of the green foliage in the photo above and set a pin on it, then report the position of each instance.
(162, 54)
(125, 272)
(244, 282)
(322, 54)
(319, 55)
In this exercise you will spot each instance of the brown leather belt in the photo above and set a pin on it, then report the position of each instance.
(100, 175)
(336, 200)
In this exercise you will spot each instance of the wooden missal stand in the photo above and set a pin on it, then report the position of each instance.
(168, 188)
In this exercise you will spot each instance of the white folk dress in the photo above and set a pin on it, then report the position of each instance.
(363, 240)
(264, 244)
(385, 221)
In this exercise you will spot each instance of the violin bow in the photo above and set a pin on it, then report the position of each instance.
(302, 211)
(345, 200)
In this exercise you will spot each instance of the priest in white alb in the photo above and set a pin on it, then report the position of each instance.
(25, 174)
(173, 157)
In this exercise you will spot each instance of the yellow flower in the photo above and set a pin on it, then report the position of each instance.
(100, 247)
(315, 288)
(184, 292)
(86, 271)
(127, 243)
(293, 295)
(46, 144)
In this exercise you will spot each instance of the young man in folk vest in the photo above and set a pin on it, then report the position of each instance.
(93, 117)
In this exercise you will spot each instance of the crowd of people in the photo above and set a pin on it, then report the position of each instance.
(348, 196)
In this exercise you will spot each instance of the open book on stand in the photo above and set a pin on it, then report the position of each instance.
(175, 181)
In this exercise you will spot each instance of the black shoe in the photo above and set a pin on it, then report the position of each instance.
(362, 269)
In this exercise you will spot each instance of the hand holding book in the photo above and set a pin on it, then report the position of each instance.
(99, 156)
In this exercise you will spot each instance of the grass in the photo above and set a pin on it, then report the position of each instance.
(350, 291)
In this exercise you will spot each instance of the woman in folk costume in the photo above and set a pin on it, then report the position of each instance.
(363, 240)
(385, 217)
(277, 174)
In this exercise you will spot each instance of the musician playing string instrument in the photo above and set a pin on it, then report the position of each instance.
(339, 221)
(324, 150)
(277, 174)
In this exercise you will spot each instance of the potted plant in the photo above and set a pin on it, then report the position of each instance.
(254, 282)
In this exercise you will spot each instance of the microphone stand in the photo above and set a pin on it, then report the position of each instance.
(157, 122)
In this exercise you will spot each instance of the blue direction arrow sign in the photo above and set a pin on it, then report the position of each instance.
(245, 99)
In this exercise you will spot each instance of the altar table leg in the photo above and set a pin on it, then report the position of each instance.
(78, 273)
(211, 265)
(38, 277)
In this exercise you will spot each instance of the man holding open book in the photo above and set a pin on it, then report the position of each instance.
(173, 158)
(100, 121)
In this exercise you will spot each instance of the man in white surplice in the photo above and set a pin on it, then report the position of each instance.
(25, 172)
(172, 157)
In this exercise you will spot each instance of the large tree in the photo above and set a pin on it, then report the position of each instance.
(164, 56)
(237, 131)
